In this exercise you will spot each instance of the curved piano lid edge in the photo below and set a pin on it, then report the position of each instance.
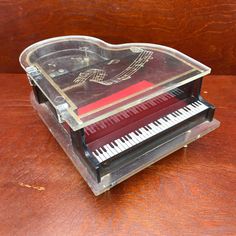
(168, 50)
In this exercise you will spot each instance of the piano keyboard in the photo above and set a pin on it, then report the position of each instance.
(131, 112)
(138, 136)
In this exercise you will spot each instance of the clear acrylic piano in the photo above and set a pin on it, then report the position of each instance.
(116, 109)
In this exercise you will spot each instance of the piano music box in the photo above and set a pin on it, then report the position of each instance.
(116, 109)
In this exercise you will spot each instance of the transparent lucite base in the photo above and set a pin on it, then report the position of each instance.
(112, 179)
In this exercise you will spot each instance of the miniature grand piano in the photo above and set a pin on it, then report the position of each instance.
(116, 109)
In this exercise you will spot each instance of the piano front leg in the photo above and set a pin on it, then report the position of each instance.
(81, 149)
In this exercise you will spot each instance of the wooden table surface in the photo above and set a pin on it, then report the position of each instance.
(191, 192)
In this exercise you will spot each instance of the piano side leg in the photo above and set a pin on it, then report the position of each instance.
(80, 147)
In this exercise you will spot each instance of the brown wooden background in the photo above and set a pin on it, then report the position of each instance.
(205, 30)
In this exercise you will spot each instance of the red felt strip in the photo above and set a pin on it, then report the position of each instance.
(114, 97)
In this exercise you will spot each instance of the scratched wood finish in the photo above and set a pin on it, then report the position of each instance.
(191, 192)
(205, 30)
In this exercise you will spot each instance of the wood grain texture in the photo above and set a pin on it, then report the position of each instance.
(191, 192)
(205, 30)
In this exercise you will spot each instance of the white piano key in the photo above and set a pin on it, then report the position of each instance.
(134, 138)
(146, 133)
(140, 137)
(118, 146)
(203, 106)
(109, 152)
(102, 157)
(185, 113)
(97, 157)
(141, 134)
(174, 121)
(151, 130)
(175, 117)
(179, 117)
(157, 122)
(170, 121)
(155, 129)
(112, 150)
(188, 111)
(197, 109)
(117, 149)
(130, 140)
(126, 142)
(123, 143)
(105, 154)
(121, 147)
(192, 110)
(164, 123)
(159, 126)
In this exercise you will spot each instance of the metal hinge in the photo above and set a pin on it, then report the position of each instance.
(33, 73)
(61, 108)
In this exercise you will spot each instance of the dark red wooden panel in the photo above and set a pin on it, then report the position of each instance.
(205, 30)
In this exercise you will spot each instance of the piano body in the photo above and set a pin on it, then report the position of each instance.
(116, 109)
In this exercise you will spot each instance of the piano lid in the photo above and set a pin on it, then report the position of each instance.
(87, 79)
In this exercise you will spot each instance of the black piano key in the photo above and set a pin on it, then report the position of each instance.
(115, 144)
(155, 123)
(139, 131)
(136, 132)
(96, 152)
(129, 136)
(99, 151)
(111, 145)
(180, 113)
(122, 139)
